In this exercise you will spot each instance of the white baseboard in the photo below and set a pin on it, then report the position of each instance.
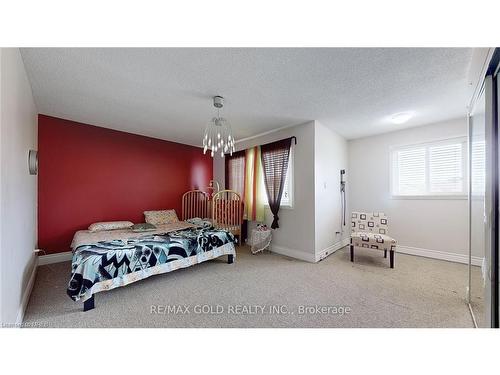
(297, 254)
(309, 257)
(332, 248)
(437, 254)
(27, 293)
(54, 258)
(38, 261)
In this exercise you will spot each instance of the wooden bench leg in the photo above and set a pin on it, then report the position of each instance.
(392, 258)
(352, 253)
(230, 259)
(89, 304)
(385, 253)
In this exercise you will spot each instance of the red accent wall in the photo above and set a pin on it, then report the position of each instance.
(88, 174)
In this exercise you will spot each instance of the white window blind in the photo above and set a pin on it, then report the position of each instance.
(478, 167)
(446, 169)
(411, 171)
(436, 168)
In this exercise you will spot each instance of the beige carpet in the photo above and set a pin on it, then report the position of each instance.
(419, 292)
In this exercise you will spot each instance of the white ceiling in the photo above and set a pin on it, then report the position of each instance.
(166, 92)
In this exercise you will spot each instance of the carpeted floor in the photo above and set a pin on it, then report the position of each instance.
(477, 298)
(268, 290)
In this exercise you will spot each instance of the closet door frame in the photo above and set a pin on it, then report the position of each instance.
(490, 86)
(492, 191)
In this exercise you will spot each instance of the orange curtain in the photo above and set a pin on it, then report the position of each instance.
(244, 175)
(254, 187)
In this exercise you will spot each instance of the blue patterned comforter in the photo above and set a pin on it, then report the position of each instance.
(109, 264)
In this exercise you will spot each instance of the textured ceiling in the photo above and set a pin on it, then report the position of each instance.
(166, 92)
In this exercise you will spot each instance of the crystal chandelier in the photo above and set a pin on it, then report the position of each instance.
(218, 135)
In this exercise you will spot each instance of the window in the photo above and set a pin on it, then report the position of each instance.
(235, 170)
(430, 169)
(287, 197)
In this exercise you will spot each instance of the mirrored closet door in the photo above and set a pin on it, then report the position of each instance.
(477, 156)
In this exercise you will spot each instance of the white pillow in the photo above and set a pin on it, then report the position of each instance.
(110, 225)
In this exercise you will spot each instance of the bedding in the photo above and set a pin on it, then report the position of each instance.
(85, 237)
(143, 227)
(107, 260)
(198, 221)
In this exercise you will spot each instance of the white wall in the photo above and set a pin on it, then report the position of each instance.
(330, 156)
(18, 189)
(307, 230)
(422, 223)
(295, 237)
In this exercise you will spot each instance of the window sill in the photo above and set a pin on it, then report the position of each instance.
(429, 197)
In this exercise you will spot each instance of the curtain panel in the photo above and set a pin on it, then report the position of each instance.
(274, 158)
(254, 192)
(243, 171)
(259, 173)
(235, 172)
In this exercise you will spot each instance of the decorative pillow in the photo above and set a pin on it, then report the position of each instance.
(110, 225)
(143, 227)
(160, 217)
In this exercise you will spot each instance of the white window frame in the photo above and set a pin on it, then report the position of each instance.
(289, 173)
(427, 145)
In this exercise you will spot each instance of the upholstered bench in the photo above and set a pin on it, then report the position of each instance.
(369, 230)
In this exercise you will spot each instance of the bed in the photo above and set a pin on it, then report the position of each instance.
(113, 258)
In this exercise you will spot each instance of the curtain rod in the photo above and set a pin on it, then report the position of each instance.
(243, 150)
(292, 137)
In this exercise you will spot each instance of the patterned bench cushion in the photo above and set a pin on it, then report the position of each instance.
(373, 241)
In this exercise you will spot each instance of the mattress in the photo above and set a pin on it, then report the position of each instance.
(114, 258)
